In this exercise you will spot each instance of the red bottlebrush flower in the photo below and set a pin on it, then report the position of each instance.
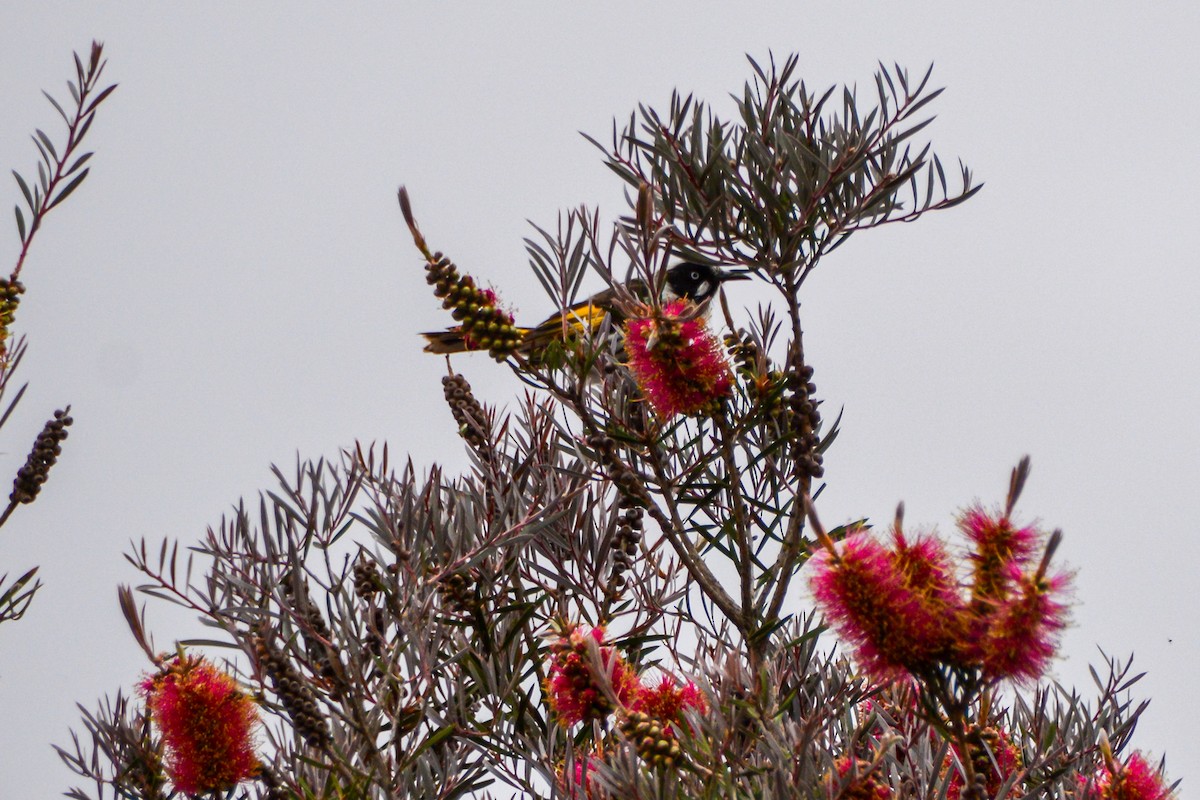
(855, 780)
(679, 365)
(891, 607)
(1135, 780)
(997, 544)
(668, 699)
(573, 688)
(207, 724)
(998, 762)
(1019, 635)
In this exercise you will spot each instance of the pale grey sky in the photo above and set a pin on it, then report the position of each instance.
(234, 285)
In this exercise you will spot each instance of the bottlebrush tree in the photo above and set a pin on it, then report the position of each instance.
(627, 593)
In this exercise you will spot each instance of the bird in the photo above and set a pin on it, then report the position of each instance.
(688, 280)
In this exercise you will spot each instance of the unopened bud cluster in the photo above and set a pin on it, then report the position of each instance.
(10, 298)
(485, 325)
(294, 693)
(653, 739)
(46, 450)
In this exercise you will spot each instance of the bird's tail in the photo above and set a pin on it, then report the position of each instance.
(456, 340)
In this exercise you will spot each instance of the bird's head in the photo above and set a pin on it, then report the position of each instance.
(697, 282)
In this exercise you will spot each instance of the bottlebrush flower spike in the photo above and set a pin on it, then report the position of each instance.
(574, 690)
(895, 623)
(1019, 637)
(1134, 780)
(855, 780)
(997, 544)
(667, 699)
(993, 755)
(679, 365)
(207, 725)
(576, 781)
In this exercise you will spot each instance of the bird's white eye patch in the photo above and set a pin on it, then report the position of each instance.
(702, 289)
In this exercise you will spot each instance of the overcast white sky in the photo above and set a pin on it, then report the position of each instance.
(233, 284)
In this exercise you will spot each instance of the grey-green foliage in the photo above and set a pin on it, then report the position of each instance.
(412, 610)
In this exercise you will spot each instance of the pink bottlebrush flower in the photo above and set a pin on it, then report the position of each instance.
(869, 599)
(576, 782)
(927, 572)
(574, 690)
(856, 781)
(997, 544)
(667, 700)
(1134, 780)
(207, 725)
(1018, 636)
(998, 762)
(679, 365)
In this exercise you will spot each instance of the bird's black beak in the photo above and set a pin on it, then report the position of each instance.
(733, 275)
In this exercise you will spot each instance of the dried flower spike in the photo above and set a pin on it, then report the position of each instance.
(207, 724)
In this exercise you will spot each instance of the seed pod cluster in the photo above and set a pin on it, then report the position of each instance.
(47, 447)
(316, 635)
(802, 408)
(485, 325)
(625, 543)
(460, 591)
(653, 739)
(622, 476)
(294, 693)
(367, 580)
(467, 411)
(270, 780)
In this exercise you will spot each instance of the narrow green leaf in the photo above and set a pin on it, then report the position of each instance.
(70, 187)
(20, 223)
(46, 141)
(99, 99)
(57, 107)
(24, 188)
(79, 162)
